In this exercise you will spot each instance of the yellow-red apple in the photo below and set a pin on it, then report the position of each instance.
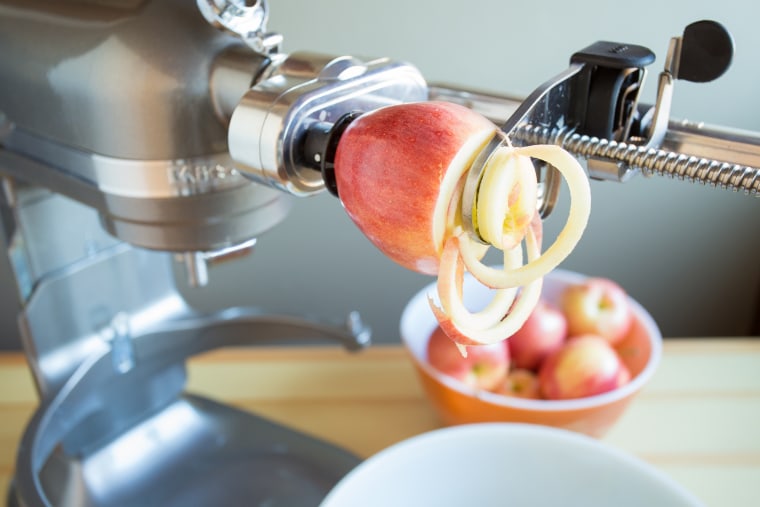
(520, 383)
(543, 333)
(397, 169)
(598, 306)
(585, 366)
(484, 367)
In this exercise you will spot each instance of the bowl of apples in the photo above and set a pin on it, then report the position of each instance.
(582, 355)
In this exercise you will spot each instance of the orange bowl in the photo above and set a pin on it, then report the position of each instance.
(458, 403)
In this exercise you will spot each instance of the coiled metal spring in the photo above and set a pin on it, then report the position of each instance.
(649, 161)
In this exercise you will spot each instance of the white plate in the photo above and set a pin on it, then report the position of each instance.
(504, 464)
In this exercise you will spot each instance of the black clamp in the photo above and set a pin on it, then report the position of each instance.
(611, 82)
(613, 73)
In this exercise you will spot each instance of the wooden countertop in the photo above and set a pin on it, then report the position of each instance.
(698, 420)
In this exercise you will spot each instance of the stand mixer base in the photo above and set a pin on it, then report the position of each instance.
(197, 452)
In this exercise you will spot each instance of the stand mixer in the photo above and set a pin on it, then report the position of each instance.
(134, 133)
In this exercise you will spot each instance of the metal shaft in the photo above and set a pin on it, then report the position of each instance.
(662, 162)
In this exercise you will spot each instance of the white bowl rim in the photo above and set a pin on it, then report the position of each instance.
(562, 275)
(422, 441)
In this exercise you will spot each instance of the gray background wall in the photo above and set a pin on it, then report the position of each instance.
(690, 254)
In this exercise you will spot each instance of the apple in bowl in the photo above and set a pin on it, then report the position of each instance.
(543, 333)
(484, 367)
(521, 383)
(585, 366)
(597, 306)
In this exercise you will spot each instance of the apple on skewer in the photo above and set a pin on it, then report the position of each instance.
(399, 173)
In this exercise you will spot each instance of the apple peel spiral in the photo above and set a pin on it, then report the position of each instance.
(400, 174)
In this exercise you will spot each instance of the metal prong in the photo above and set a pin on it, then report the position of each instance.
(548, 187)
(547, 105)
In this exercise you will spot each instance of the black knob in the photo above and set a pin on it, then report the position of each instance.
(707, 49)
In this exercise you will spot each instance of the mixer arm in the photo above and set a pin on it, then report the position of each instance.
(591, 109)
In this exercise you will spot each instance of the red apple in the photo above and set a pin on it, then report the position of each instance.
(484, 366)
(520, 383)
(598, 306)
(585, 366)
(543, 333)
(397, 169)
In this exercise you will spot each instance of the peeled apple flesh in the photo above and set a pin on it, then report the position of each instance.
(400, 174)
